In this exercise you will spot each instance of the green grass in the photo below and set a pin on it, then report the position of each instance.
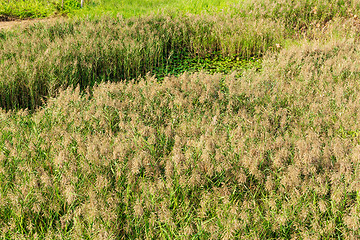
(294, 14)
(13, 9)
(92, 8)
(127, 8)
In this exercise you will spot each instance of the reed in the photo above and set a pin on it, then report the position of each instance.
(272, 154)
(37, 60)
(116, 153)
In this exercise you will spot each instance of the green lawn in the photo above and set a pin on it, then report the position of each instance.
(129, 8)
(126, 8)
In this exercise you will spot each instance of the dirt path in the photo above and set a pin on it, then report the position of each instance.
(10, 24)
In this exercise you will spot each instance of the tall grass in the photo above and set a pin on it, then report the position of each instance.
(299, 14)
(37, 60)
(272, 154)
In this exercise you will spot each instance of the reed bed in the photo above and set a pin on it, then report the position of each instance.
(37, 60)
(272, 154)
(116, 153)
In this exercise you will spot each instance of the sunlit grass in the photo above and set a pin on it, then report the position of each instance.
(130, 8)
(26, 9)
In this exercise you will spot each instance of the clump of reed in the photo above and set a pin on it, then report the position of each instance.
(36, 60)
(298, 15)
(272, 154)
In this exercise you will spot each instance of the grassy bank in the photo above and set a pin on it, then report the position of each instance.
(13, 9)
(97, 8)
(274, 154)
(298, 14)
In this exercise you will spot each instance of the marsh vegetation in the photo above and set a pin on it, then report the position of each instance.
(237, 125)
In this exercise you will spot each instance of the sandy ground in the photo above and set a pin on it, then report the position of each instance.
(10, 24)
